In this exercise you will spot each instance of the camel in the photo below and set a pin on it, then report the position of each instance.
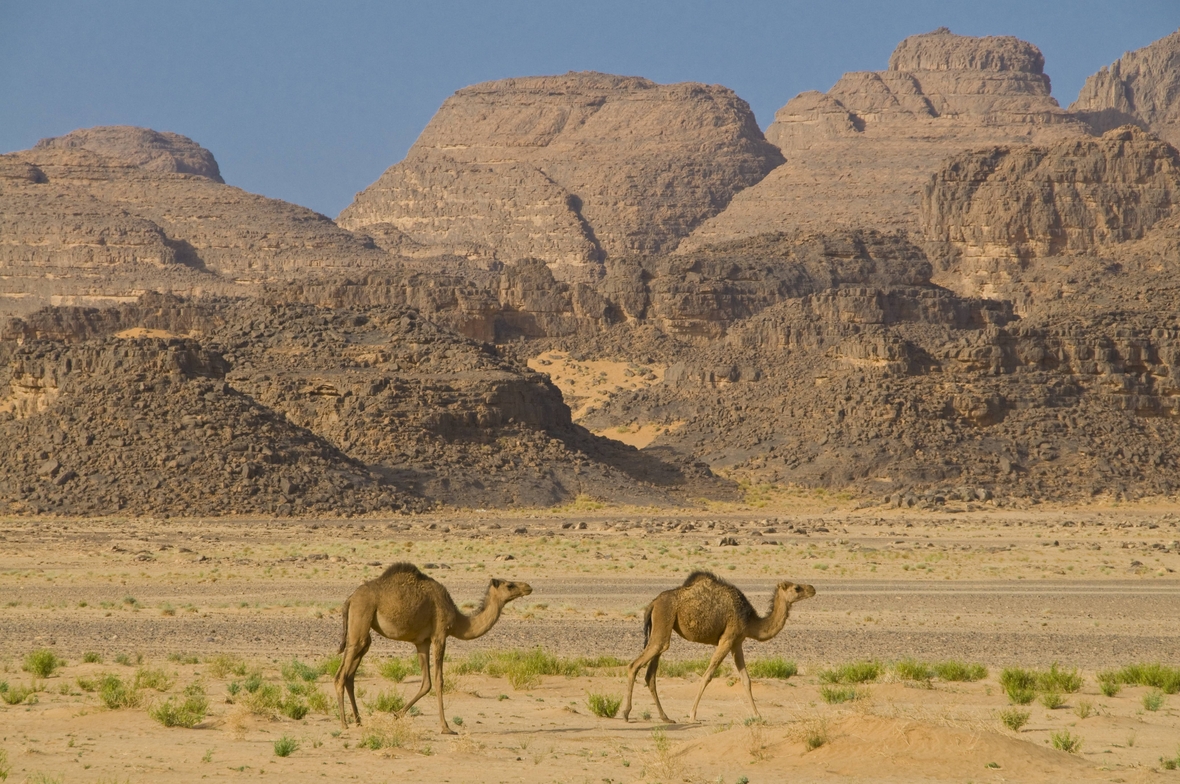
(404, 604)
(709, 610)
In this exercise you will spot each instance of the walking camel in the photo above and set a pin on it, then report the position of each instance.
(709, 610)
(404, 604)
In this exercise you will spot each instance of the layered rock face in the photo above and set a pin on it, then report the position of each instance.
(858, 155)
(569, 169)
(998, 208)
(105, 214)
(1141, 88)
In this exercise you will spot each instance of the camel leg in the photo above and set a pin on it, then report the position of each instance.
(718, 656)
(649, 677)
(440, 651)
(349, 663)
(739, 661)
(656, 645)
(424, 665)
(351, 682)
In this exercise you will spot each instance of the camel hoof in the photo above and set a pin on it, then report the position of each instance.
(448, 731)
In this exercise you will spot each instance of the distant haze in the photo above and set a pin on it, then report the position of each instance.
(310, 102)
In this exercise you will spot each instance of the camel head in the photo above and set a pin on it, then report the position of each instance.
(506, 590)
(795, 593)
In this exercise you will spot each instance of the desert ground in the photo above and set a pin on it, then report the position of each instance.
(221, 607)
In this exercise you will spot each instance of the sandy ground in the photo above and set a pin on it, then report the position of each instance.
(1091, 588)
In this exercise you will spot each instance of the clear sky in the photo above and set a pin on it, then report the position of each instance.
(311, 101)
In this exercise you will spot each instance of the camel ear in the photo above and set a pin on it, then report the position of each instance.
(496, 583)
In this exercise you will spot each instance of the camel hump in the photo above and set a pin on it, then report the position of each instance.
(401, 567)
(702, 576)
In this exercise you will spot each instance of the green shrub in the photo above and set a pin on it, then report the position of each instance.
(911, 670)
(41, 663)
(188, 711)
(147, 678)
(834, 695)
(286, 746)
(1166, 679)
(1172, 763)
(397, 669)
(296, 670)
(1064, 741)
(5, 768)
(223, 664)
(253, 682)
(524, 669)
(115, 694)
(91, 657)
(1052, 700)
(1059, 680)
(388, 702)
(331, 665)
(1020, 685)
(605, 706)
(958, 671)
(15, 695)
(1108, 682)
(264, 700)
(318, 702)
(1153, 700)
(1014, 718)
(1084, 709)
(293, 707)
(182, 658)
(389, 733)
(776, 667)
(855, 672)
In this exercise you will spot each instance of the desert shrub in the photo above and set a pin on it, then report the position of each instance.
(1153, 700)
(1166, 679)
(776, 667)
(524, 669)
(834, 695)
(854, 672)
(387, 732)
(319, 702)
(911, 670)
(296, 670)
(127, 660)
(1084, 709)
(600, 662)
(157, 679)
(91, 657)
(1052, 700)
(814, 733)
(293, 706)
(184, 658)
(286, 746)
(115, 694)
(331, 665)
(388, 702)
(1109, 683)
(690, 667)
(253, 682)
(223, 665)
(15, 695)
(1014, 718)
(187, 711)
(264, 700)
(5, 768)
(41, 663)
(1020, 685)
(603, 705)
(397, 669)
(1056, 679)
(1170, 763)
(1064, 741)
(963, 672)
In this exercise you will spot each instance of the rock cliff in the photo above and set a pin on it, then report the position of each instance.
(1141, 88)
(569, 169)
(858, 155)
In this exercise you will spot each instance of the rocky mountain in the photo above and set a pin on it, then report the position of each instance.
(569, 169)
(105, 214)
(860, 154)
(1140, 88)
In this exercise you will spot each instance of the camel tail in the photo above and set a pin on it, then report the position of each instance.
(646, 625)
(344, 633)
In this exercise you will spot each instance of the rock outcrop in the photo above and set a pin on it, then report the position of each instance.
(569, 169)
(858, 155)
(1140, 88)
(993, 210)
(105, 214)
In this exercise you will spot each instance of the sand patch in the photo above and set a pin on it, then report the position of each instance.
(142, 332)
(587, 385)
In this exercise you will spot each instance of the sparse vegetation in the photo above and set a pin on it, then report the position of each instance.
(16, 695)
(606, 706)
(5, 768)
(911, 670)
(855, 672)
(693, 667)
(1019, 685)
(1063, 740)
(388, 732)
(296, 670)
(523, 669)
(834, 695)
(41, 663)
(115, 694)
(157, 679)
(1109, 683)
(91, 657)
(1052, 700)
(397, 669)
(223, 665)
(188, 711)
(776, 667)
(1014, 718)
(1084, 709)
(387, 702)
(957, 671)
(286, 746)
(1153, 700)
(1159, 676)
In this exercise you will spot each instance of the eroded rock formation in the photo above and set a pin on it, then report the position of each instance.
(569, 169)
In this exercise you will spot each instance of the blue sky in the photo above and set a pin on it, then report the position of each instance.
(311, 101)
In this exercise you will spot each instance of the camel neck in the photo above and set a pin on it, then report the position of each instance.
(468, 627)
(764, 628)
